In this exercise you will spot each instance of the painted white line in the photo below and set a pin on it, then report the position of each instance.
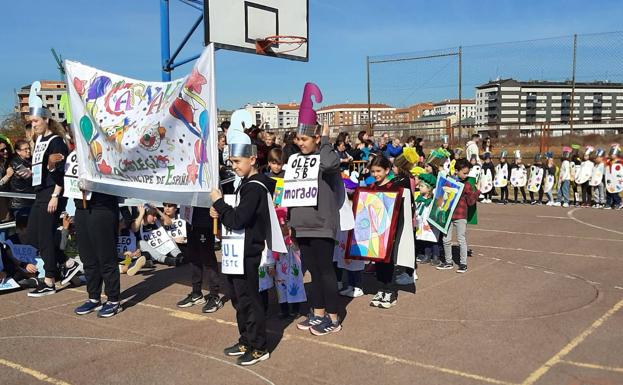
(550, 216)
(618, 287)
(543, 252)
(510, 262)
(570, 277)
(546, 235)
(570, 215)
(548, 272)
(529, 267)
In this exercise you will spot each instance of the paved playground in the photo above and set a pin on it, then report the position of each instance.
(541, 304)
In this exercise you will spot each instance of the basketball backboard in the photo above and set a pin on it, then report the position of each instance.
(237, 24)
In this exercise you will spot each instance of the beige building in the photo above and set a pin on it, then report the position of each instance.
(51, 92)
(355, 114)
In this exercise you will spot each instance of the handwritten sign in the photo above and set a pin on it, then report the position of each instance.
(159, 239)
(23, 253)
(71, 189)
(232, 245)
(177, 229)
(300, 182)
(126, 243)
(37, 159)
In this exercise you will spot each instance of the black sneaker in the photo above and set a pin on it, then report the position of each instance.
(71, 272)
(109, 309)
(445, 266)
(42, 290)
(310, 321)
(252, 357)
(88, 307)
(462, 269)
(192, 299)
(389, 300)
(29, 283)
(213, 303)
(327, 326)
(376, 300)
(236, 350)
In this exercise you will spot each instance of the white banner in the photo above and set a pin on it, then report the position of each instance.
(148, 140)
(300, 182)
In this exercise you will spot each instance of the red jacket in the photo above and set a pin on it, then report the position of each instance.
(469, 197)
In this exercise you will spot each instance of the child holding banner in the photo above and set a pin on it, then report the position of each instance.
(248, 233)
(312, 191)
(48, 166)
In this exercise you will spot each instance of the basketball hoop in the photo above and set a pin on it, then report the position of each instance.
(264, 46)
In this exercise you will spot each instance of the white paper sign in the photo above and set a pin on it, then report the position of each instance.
(177, 229)
(300, 182)
(37, 159)
(71, 189)
(232, 245)
(159, 239)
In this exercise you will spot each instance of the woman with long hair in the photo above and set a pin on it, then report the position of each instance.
(6, 154)
(48, 171)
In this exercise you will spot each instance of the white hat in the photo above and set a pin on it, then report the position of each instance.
(239, 143)
(35, 103)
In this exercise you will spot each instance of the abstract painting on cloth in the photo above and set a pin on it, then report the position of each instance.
(154, 141)
(376, 218)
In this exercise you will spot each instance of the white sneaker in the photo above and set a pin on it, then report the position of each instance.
(357, 292)
(565, 205)
(557, 204)
(352, 292)
(415, 275)
(404, 279)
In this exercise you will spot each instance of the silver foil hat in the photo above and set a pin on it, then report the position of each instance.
(242, 150)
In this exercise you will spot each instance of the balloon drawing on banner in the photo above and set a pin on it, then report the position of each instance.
(146, 139)
(584, 173)
(549, 182)
(536, 178)
(598, 175)
(519, 177)
(501, 176)
(486, 181)
(614, 178)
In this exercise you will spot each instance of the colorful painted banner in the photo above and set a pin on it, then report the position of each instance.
(300, 187)
(445, 199)
(278, 195)
(154, 141)
(376, 217)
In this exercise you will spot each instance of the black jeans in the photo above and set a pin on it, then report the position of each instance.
(587, 196)
(385, 275)
(317, 258)
(249, 305)
(523, 192)
(41, 231)
(540, 195)
(97, 230)
(202, 258)
(504, 193)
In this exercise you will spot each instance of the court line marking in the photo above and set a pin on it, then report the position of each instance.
(570, 215)
(557, 358)
(543, 251)
(138, 343)
(387, 357)
(39, 310)
(546, 235)
(592, 366)
(32, 372)
(551, 216)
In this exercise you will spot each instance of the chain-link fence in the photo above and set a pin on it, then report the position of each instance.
(544, 90)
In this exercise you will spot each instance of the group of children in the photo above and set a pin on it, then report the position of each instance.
(593, 179)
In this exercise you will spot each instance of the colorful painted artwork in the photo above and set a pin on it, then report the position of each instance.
(536, 178)
(614, 178)
(501, 176)
(278, 195)
(519, 176)
(376, 216)
(486, 181)
(148, 140)
(445, 199)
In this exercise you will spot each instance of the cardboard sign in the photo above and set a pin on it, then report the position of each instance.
(501, 176)
(486, 181)
(519, 176)
(300, 185)
(71, 189)
(536, 178)
(232, 245)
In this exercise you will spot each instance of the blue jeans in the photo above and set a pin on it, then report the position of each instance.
(613, 199)
(563, 192)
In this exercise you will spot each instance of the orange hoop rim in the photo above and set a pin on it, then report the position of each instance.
(263, 46)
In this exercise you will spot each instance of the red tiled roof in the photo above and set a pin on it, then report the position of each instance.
(346, 106)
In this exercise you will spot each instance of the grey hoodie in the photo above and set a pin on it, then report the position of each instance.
(323, 220)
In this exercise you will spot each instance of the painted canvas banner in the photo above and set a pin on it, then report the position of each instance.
(154, 141)
(376, 218)
(445, 199)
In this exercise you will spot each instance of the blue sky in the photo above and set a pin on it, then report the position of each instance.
(122, 36)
